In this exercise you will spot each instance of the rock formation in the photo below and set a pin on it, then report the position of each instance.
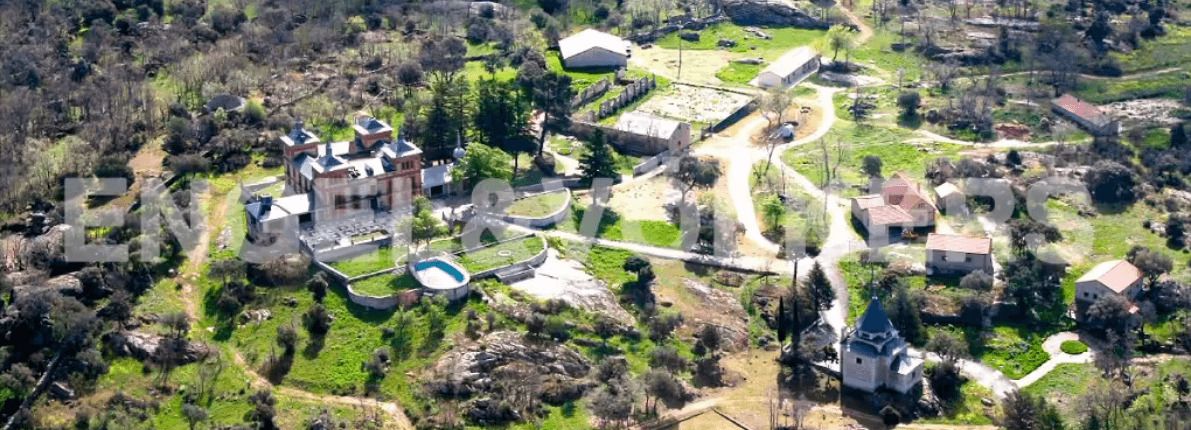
(770, 12)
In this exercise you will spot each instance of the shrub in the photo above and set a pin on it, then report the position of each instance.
(1073, 347)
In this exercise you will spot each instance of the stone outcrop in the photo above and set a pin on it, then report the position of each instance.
(769, 12)
(727, 316)
(475, 369)
(146, 346)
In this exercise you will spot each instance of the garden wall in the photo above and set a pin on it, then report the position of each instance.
(630, 143)
(345, 252)
(651, 163)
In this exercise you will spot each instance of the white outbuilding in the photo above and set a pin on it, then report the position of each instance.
(790, 69)
(594, 48)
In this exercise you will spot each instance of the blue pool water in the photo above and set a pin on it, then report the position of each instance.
(441, 266)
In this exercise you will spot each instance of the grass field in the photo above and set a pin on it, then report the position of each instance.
(781, 40)
(333, 363)
(1165, 85)
(1014, 350)
(1063, 384)
(539, 205)
(372, 262)
(502, 254)
(1172, 49)
(860, 140)
(1073, 347)
(801, 209)
(384, 285)
(613, 227)
(739, 73)
(967, 409)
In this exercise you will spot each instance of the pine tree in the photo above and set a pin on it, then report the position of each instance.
(597, 162)
(1178, 136)
(820, 288)
(781, 321)
(904, 315)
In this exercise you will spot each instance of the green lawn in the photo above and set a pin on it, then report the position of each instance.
(739, 73)
(334, 364)
(372, 262)
(801, 208)
(539, 205)
(1106, 236)
(861, 140)
(967, 409)
(384, 285)
(580, 78)
(1172, 49)
(781, 40)
(613, 227)
(502, 254)
(227, 407)
(1014, 350)
(1073, 347)
(1166, 85)
(476, 70)
(1063, 384)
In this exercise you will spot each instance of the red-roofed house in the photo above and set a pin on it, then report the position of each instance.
(953, 253)
(1110, 277)
(1086, 115)
(901, 204)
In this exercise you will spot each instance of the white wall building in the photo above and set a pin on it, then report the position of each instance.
(593, 48)
(789, 70)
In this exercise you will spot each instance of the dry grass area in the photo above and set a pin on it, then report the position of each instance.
(644, 200)
(697, 66)
(695, 104)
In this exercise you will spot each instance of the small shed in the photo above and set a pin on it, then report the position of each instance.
(950, 199)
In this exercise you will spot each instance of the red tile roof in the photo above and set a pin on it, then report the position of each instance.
(1117, 275)
(959, 243)
(889, 215)
(1081, 109)
(908, 194)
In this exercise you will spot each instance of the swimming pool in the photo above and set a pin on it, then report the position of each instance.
(442, 276)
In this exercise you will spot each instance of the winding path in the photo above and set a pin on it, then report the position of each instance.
(192, 272)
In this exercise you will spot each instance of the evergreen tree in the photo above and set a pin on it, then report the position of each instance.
(904, 315)
(819, 288)
(781, 321)
(443, 118)
(1178, 136)
(552, 95)
(597, 162)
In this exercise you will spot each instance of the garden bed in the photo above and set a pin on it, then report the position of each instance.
(372, 262)
(384, 285)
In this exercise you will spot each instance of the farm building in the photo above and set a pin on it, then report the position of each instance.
(1086, 115)
(1110, 277)
(647, 134)
(789, 70)
(593, 48)
(958, 254)
(900, 204)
